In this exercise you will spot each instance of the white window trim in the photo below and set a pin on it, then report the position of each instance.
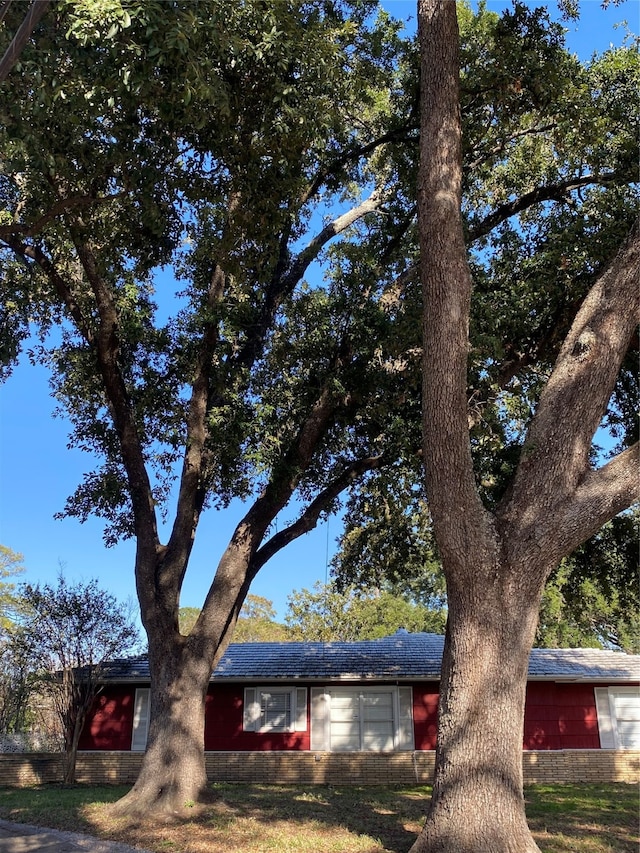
(252, 714)
(607, 719)
(141, 714)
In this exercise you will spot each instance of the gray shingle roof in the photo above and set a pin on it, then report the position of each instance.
(402, 656)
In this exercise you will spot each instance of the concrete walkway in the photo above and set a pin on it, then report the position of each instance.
(22, 838)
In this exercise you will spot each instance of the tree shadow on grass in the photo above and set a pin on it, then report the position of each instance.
(314, 818)
(599, 818)
(305, 818)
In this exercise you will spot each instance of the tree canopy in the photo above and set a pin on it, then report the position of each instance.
(16, 665)
(256, 622)
(549, 191)
(593, 598)
(10, 567)
(209, 221)
(590, 600)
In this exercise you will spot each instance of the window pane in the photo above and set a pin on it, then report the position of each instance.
(377, 706)
(378, 737)
(627, 706)
(629, 734)
(345, 723)
(362, 720)
(275, 710)
(345, 737)
(344, 707)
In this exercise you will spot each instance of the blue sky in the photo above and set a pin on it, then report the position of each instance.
(38, 471)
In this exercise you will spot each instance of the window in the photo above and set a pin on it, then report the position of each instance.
(349, 719)
(618, 717)
(140, 719)
(275, 709)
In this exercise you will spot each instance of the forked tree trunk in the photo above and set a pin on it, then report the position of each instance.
(477, 804)
(496, 563)
(173, 774)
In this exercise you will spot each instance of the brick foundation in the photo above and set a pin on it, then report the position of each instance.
(321, 768)
(21, 769)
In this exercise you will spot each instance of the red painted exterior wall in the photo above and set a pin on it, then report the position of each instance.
(560, 716)
(223, 725)
(425, 715)
(557, 716)
(110, 722)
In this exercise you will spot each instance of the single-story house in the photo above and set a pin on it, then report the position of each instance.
(371, 696)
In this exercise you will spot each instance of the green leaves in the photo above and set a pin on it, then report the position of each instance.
(206, 136)
(592, 598)
(75, 625)
(10, 605)
(91, 20)
(326, 615)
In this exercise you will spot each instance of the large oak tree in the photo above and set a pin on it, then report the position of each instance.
(496, 560)
(231, 144)
(214, 140)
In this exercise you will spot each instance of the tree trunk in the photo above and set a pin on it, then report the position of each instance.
(69, 765)
(173, 774)
(71, 748)
(496, 563)
(477, 804)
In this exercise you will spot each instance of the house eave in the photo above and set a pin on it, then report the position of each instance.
(378, 679)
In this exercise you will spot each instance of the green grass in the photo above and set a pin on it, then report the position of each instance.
(319, 819)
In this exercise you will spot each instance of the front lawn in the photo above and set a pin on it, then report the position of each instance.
(319, 819)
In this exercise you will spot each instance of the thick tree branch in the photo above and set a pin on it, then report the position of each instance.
(61, 286)
(331, 230)
(192, 490)
(502, 145)
(107, 348)
(34, 13)
(63, 205)
(549, 192)
(547, 530)
(446, 286)
(234, 572)
(555, 457)
(352, 155)
(277, 493)
(4, 9)
(602, 494)
(288, 277)
(236, 569)
(309, 518)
